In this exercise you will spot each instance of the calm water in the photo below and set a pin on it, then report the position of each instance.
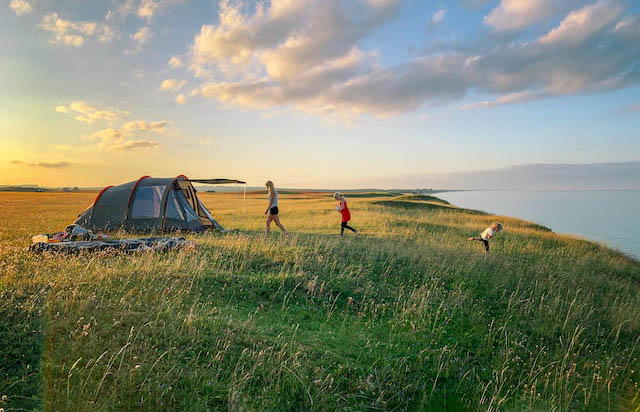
(608, 216)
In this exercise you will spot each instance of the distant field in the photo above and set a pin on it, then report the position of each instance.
(406, 317)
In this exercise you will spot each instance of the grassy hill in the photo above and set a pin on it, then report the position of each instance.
(406, 317)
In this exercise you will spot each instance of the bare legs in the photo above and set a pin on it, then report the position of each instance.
(486, 246)
(275, 219)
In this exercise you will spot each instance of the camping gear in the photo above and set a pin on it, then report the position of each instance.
(124, 245)
(71, 232)
(44, 238)
(151, 204)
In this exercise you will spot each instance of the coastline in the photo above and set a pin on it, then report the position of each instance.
(582, 214)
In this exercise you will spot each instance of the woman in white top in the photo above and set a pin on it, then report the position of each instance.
(272, 209)
(487, 235)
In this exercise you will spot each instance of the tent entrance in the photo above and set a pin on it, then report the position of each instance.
(186, 190)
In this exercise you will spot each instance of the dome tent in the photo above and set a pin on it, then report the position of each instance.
(151, 204)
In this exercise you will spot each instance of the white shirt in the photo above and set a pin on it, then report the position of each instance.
(274, 202)
(487, 233)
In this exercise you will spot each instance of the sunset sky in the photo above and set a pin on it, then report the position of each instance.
(327, 93)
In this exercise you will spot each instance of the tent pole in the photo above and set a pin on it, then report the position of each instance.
(244, 200)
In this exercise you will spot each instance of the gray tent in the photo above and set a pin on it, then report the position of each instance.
(146, 204)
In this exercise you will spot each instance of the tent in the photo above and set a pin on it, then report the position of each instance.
(151, 204)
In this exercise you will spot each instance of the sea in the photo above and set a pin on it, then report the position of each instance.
(611, 217)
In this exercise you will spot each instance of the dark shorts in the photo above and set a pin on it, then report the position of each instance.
(486, 244)
(273, 211)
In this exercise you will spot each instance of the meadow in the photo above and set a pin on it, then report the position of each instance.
(406, 317)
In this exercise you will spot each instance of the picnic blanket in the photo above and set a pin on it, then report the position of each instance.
(125, 245)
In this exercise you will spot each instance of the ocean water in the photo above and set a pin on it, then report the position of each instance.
(607, 216)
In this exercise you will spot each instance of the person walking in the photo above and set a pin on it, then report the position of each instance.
(272, 209)
(343, 209)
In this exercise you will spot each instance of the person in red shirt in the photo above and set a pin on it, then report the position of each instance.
(343, 209)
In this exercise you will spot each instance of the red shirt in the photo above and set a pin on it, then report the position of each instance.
(346, 214)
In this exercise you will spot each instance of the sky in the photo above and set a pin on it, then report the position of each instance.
(317, 93)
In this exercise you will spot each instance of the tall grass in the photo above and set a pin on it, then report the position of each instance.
(406, 317)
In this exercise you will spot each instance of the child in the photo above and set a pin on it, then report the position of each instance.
(343, 209)
(487, 235)
(272, 208)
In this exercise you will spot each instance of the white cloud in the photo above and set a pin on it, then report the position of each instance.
(107, 34)
(438, 16)
(141, 125)
(175, 62)
(145, 9)
(74, 33)
(138, 145)
(181, 99)
(20, 7)
(115, 139)
(89, 114)
(140, 38)
(148, 8)
(287, 38)
(142, 35)
(308, 58)
(581, 24)
(518, 14)
(172, 84)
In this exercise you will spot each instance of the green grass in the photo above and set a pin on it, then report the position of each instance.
(406, 317)
(362, 195)
(425, 198)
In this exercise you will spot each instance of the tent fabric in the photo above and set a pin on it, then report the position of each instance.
(149, 204)
(216, 181)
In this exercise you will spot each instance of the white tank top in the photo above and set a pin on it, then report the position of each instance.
(274, 202)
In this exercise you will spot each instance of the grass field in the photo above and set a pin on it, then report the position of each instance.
(406, 317)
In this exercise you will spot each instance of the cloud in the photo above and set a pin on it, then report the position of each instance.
(139, 38)
(119, 140)
(175, 62)
(172, 84)
(518, 14)
(139, 144)
(142, 35)
(74, 33)
(141, 125)
(181, 99)
(20, 7)
(438, 16)
(581, 24)
(289, 53)
(51, 165)
(17, 162)
(310, 59)
(145, 9)
(287, 38)
(89, 114)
